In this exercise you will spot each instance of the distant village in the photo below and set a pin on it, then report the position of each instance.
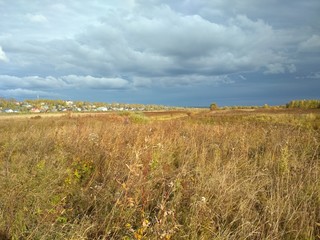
(52, 106)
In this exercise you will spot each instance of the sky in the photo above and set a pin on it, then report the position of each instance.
(179, 53)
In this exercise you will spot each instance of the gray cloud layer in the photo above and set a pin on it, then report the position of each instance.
(150, 44)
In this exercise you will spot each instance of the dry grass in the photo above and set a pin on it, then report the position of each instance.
(123, 177)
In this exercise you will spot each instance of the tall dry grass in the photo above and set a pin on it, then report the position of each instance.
(104, 177)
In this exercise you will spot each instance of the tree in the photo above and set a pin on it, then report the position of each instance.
(213, 106)
(306, 104)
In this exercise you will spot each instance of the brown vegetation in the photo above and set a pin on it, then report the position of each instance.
(203, 176)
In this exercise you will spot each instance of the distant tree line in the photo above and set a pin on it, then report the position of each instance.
(7, 103)
(305, 104)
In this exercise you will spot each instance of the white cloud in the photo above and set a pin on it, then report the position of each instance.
(31, 82)
(315, 75)
(3, 56)
(26, 93)
(49, 83)
(242, 77)
(161, 42)
(94, 82)
(37, 18)
(278, 68)
(312, 44)
(64, 82)
(182, 80)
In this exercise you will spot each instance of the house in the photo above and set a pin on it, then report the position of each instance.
(44, 108)
(35, 110)
(69, 103)
(27, 105)
(102, 109)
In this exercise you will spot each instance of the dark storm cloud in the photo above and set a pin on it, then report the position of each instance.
(138, 44)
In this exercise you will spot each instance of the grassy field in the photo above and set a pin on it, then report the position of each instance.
(225, 174)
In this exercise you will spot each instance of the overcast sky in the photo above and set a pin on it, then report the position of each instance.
(186, 53)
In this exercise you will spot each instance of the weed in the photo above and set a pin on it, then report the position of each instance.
(210, 175)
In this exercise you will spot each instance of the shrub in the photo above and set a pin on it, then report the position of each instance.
(213, 106)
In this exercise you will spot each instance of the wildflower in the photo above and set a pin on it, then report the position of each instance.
(145, 223)
(128, 225)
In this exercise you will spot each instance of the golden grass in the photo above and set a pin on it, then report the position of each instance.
(122, 177)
